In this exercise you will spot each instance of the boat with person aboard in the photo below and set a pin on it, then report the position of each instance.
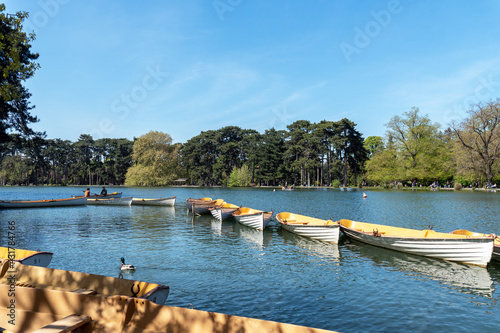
(496, 244)
(109, 195)
(170, 202)
(325, 230)
(43, 203)
(428, 243)
(252, 218)
(26, 257)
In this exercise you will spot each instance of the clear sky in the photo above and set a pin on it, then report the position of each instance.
(123, 68)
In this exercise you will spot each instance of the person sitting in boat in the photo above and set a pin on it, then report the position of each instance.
(104, 191)
(87, 192)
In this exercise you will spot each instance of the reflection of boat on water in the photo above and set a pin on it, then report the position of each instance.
(252, 235)
(429, 243)
(468, 279)
(312, 246)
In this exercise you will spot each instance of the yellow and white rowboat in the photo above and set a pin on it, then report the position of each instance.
(252, 218)
(429, 243)
(325, 230)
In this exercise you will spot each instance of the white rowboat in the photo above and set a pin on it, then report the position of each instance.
(111, 201)
(428, 243)
(252, 218)
(325, 230)
(43, 203)
(224, 211)
(170, 202)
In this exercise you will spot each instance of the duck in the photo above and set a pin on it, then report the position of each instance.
(125, 267)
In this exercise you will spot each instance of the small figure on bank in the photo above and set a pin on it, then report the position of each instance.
(87, 193)
(104, 191)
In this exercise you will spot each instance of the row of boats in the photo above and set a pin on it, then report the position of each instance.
(40, 299)
(460, 245)
(114, 199)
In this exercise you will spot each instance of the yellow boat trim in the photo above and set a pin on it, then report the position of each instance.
(388, 231)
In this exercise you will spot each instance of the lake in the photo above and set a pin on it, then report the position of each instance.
(274, 275)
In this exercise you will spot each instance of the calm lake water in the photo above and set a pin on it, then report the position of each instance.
(274, 275)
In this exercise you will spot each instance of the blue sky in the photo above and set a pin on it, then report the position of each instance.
(123, 68)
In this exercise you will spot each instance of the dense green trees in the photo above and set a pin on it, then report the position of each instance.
(415, 150)
(60, 162)
(155, 161)
(17, 64)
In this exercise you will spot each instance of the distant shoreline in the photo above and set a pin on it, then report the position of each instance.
(348, 189)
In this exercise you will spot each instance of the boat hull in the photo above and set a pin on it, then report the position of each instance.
(323, 233)
(111, 201)
(44, 203)
(476, 251)
(26, 257)
(324, 230)
(496, 253)
(223, 213)
(170, 202)
(43, 307)
(257, 221)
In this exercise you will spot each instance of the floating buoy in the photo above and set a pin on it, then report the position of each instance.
(364, 195)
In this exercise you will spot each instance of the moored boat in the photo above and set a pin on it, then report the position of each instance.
(191, 201)
(202, 207)
(127, 201)
(496, 244)
(26, 257)
(287, 188)
(43, 203)
(224, 211)
(83, 283)
(61, 311)
(108, 196)
(325, 230)
(170, 201)
(252, 218)
(429, 243)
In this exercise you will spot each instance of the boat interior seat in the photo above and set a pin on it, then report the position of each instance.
(71, 323)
